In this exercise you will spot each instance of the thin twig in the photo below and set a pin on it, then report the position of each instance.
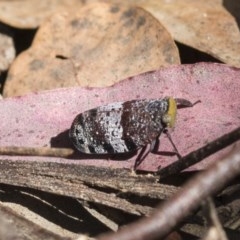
(215, 228)
(200, 154)
(36, 151)
(172, 212)
(14, 226)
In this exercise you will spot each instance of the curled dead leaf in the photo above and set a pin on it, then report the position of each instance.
(97, 45)
(41, 119)
(7, 49)
(31, 13)
(204, 25)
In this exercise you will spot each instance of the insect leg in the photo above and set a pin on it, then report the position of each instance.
(154, 145)
(171, 141)
(141, 156)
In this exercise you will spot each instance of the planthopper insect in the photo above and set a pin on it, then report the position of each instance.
(123, 127)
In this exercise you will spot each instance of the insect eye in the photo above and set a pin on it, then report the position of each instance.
(167, 119)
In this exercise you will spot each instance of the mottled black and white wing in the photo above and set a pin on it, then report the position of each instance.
(118, 127)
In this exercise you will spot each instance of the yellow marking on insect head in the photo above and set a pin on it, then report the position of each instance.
(169, 117)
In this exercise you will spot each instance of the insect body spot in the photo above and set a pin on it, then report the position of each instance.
(80, 141)
(114, 133)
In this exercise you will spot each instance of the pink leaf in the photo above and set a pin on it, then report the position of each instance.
(34, 120)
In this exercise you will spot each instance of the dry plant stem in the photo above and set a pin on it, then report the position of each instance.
(200, 154)
(215, 229)
(39, 151)
(169, 214)
(87, 183)
(14, 226)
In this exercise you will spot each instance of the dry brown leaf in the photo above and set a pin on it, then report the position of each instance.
(97, 45)
(234, 8)
(7, 49)
(31, 13)
(204, 25)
